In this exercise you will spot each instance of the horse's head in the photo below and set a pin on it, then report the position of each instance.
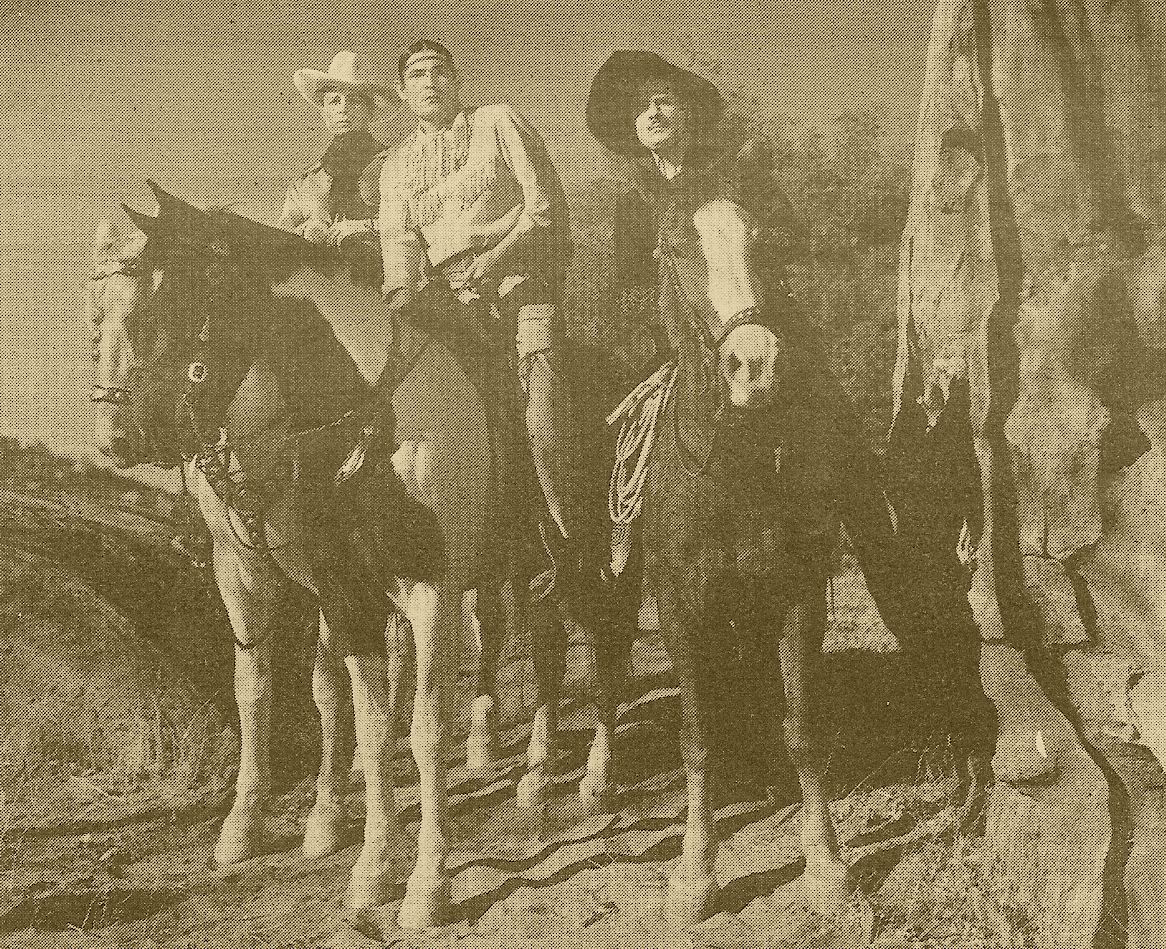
(165, 306)
(122, 282)
(723, 285)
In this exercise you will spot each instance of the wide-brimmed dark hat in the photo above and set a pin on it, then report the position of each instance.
(613, 106)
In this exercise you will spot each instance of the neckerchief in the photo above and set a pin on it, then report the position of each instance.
(347, 156)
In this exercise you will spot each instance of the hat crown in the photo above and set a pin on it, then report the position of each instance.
(350, 68)
(346, 72)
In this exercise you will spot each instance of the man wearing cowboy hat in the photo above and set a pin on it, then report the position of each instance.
(325, 204)
(474, 228)
(664, 125)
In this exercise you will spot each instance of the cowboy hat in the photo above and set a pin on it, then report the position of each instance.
(612, 106)
(346, 74)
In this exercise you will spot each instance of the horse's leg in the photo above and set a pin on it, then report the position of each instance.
(548, 642)
(826, 879)
(434, 614)
(486, 617)
(614, 613)
(249, 595)
(692, 885)
(399, 650)
(373, 875)
(325, 823)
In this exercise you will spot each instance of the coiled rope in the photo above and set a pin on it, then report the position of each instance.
(640, 412)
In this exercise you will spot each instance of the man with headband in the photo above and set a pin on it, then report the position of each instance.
(474, 232)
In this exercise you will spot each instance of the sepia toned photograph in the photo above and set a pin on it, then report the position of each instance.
(514, 475)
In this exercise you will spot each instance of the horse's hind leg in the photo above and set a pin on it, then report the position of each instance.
(548, 641)
(374, 873)
(325, 823)
(483, 611)
(826, 879)
(249, 592)
(434, 614)
(613, 614)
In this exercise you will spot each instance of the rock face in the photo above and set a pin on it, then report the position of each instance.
(1032, 272)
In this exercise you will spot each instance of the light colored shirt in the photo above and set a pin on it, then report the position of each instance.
(465, 188)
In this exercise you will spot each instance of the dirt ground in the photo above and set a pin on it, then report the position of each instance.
(112, 793)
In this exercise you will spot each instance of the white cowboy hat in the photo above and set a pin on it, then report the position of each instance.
(347, 74)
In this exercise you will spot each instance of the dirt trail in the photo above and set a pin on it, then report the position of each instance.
(99, 847)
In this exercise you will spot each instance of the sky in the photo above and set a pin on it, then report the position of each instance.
(101, 96)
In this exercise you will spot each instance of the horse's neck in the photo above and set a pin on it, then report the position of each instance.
(408, 343)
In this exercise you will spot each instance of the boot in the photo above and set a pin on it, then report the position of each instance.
(564, 564)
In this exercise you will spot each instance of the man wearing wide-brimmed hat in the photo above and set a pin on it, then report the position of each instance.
(666, 126)
(325, 204)
(475, 237)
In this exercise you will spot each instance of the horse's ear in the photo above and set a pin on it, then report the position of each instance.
(146, 223)
(113, 244)
(166, 201)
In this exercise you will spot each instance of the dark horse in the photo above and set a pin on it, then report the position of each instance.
(757, 459)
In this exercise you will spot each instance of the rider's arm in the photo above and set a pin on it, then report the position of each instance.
(541, 226)
(293, 213)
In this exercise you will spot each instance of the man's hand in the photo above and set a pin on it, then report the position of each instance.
(346, 228)
(398, 298)
(315, 230)
(482, 266)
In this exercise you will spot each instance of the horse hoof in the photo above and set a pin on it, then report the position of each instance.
(323, 828)
(426, 903)
(534, 789)
(239, 836)
(370, 886)
(827, 886)
(692, 897)
(596, 795)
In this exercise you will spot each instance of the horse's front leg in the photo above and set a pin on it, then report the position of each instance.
(548, 642)
(325, 823)
(826, 879)
(249, 589)
(614, 608)
(692, 885)
(434, 613)
(482, 612)
(374, 714)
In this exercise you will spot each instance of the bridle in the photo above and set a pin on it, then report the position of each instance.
(132, 267)
(212, 451)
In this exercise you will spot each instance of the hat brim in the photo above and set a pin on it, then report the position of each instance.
(313, 84)
(612, 106)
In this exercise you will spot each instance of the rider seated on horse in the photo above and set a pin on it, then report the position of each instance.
(327, 203)
(664, 123)
(474, 233)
